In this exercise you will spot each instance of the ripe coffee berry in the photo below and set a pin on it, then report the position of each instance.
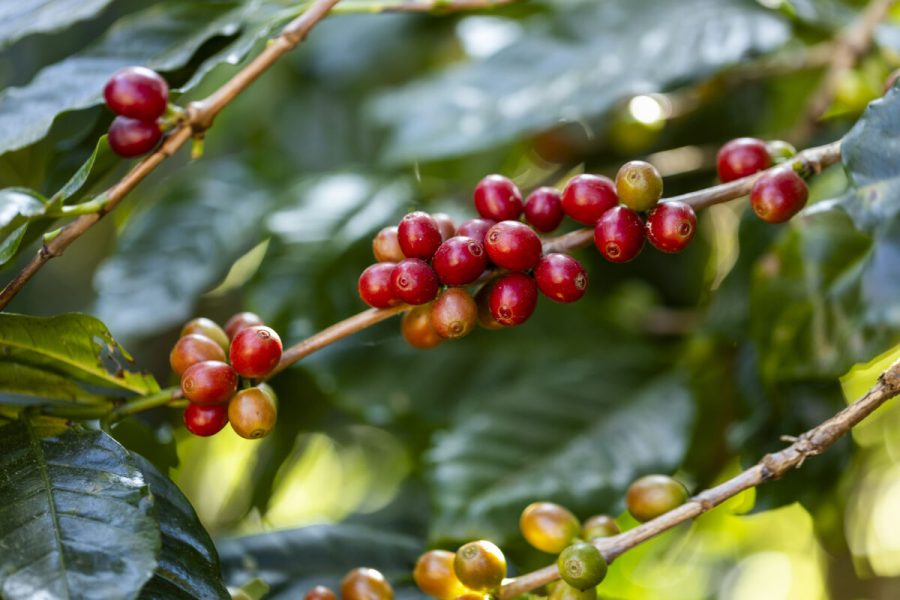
(209, 382)
(255, 351)
(366, 584)
(419, 235)
(320, 592)
(561, 278)
(543, 209)
(239, 321)
(435, 576)
(619, 234)
(386, 246)
(639, 185)
(483, 301)
(137, 92)
(513, 298)
(445, 224)
(414, 282)
(671, 226)
(654, 495)
(480, 565)
(417, 329)
(192, 349)
(778, 195)
(599, 526)
(253, 412)
(208, 328)
(130, 137)
(581, 565)
(548, 527)
(476, 229)
(513, 245)
(205, 420)
(374, 285)
(454, 314)
(498, 198)
(459, 261)
(564, 591)
(586, 197)
(742, 157)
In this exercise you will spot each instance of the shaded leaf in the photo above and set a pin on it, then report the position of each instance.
(19, 19)
(40, 386)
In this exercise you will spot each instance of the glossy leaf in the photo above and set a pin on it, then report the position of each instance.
(19, 19)
(39, 386)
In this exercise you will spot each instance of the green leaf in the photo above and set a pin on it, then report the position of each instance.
(76, 519)
(74, 345)
(100, 162)
(18, 206)
(19, 19)
(41, 385)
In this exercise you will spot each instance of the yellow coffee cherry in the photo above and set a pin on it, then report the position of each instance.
(549, 527)
(480, 566)
(435, 575)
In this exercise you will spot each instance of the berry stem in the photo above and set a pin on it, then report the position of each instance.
(160, 398)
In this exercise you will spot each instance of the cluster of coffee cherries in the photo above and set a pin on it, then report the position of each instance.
(359, 584)
(214, 362)
(139, 96)
(477, 569)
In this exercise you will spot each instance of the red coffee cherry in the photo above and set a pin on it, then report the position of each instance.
(445, 225)
(742, 157)
(366, 584)
(253, 412)
(205, 420)
(386, 246)
(419, 235)
(778, 195)
(209, 382)
(137, 92)
(561, 278)
(476, 229)
(513, 298)
(255, 351)
(417, 329)
(414, 282)
(671, 226)
(320, 592)
(498, 198)
(192, 349)
(619, 234)
(241, 321)
(454, 314)
(459, 261)
(483, 301)
(208, 328)
(586, 197)
(374, 285)
(513, 245)
(130, 137)
(543, 209)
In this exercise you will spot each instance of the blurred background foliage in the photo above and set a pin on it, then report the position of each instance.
(694, 364)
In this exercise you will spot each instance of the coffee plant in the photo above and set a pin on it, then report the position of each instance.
(644, 259)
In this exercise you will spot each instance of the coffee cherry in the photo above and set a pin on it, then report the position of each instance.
(386, 246)
(208, 328)
(480, 565)
(255, 351)
(417, 329)
(454, 314)
(671, 226)
(780, 151)
(543, 209)
(639, 185)
(366, 584)
(137, 92)
(564, 591)
(253, 412)
(561, 278)
(483, 301)
(130, 137)
(581, 565)
(414, 282)
(475, 596)
(548, 527)
(205, 420)
(192, 349)
(586, 197)
(240, 321)
(778, 195)
(419, 235)
(513, 297)
(476, 229)
(742, 157)
(209, 382)
(459, 261)
(445, 224)
(599, 526)
(374, 285)
(320, 592)
(435, 576)
(653, 495)
(619, 234)
(498, 198)
(513, 245)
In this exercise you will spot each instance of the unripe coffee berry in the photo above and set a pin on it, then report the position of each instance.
(374, 285)
(778, 195)
(240, 321)
(564, 591)
(483, 301)
(548, 527)
(320, 592)
(480, 565)
(386, 246)
(476, 229)
(414, 282)
(419, 235)
(780, 151)
(543, 209)
(498, 198)
(208, 328)
(253, 413)
(192, 349)
(561, 278)
(654, 495)
(130, 137)
(137, 92)
(365, 584)
(599, 526)
(513, 245)
(417, 329)
(582, 566)
(435, 576)
(459, 261)
(742, 157)
(586, 197)
(205, 420)
(209, 382)
(513, 298)
(454, 314)
(671, 226)
(639, 185)
(445, 224)
(619, 234)
(255, 351)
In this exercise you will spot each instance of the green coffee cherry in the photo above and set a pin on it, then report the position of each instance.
(654, 495)
(599, 526)
(639, 185)
(563, 591)
(581, 565)
(780, 151)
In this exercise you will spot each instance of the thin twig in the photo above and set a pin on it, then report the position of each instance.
(424, 6)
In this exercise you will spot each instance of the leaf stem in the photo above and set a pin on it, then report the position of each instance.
(142, 403)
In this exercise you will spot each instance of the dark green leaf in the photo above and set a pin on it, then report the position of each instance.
(18, 19)
(17, 207)
(41, 386)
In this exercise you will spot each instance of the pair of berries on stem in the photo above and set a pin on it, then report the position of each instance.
(359, 584)
(139, 96)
